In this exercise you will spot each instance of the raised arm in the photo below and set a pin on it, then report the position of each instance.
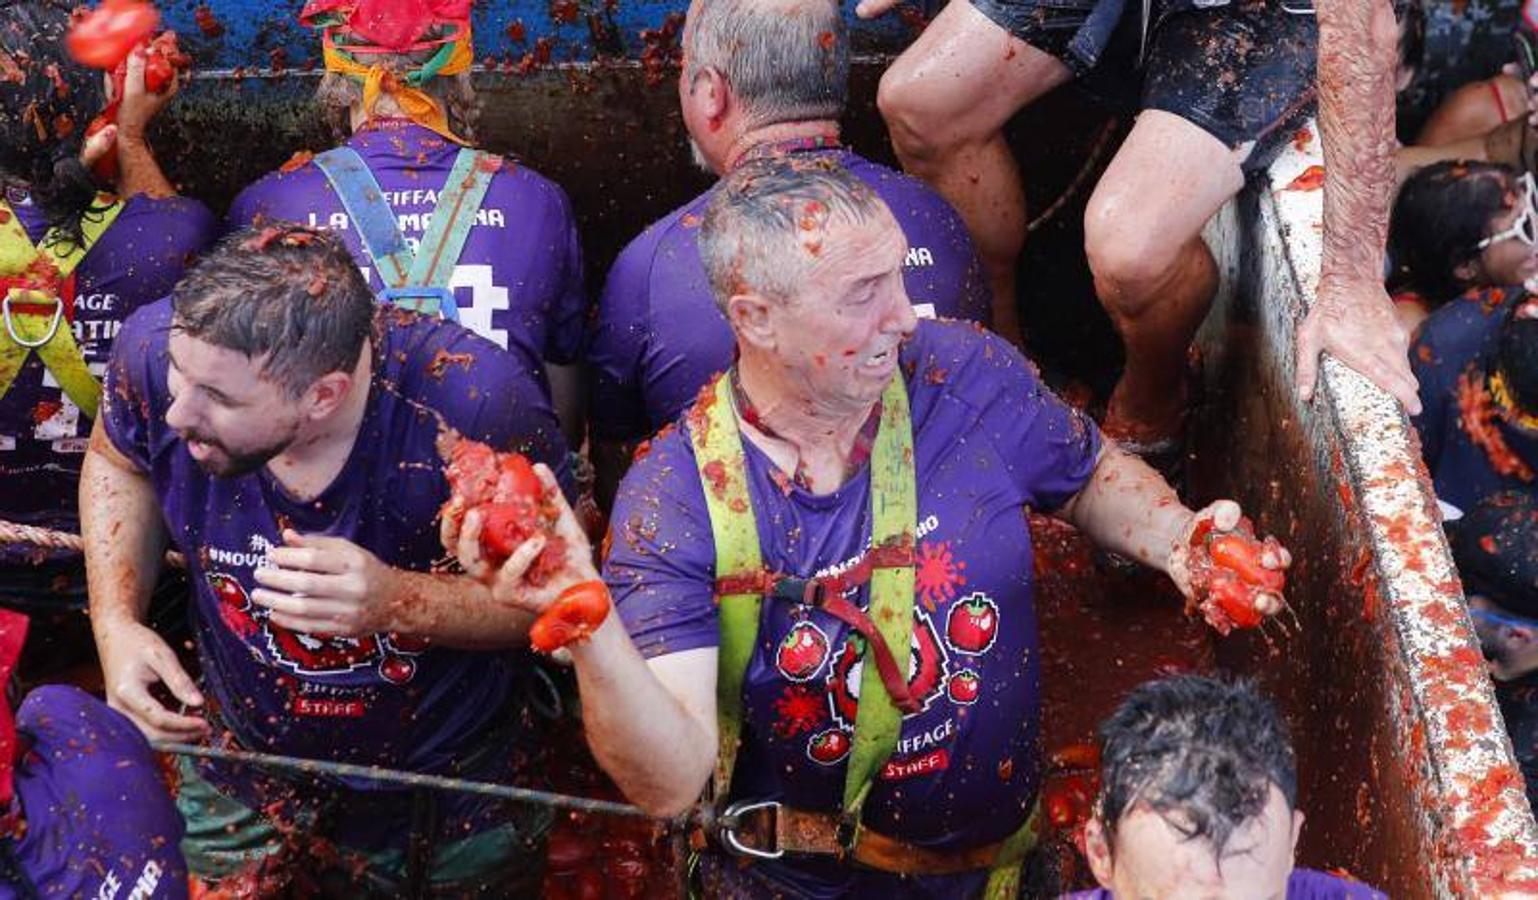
(139, 171)
(125, 538)
(1352, 316)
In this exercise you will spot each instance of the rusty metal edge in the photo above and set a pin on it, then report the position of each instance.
(1482, 844)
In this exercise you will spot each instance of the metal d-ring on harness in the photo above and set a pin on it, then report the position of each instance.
(31, 343)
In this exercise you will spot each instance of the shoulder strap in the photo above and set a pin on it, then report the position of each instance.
(371, 216)
(454, 216)
(722, 469)
(724, 474)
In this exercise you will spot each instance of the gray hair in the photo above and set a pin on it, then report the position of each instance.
(750, 238)
(786, 60)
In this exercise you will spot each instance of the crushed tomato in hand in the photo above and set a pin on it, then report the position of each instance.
(1233, 588)
(163, 60)
(574, 616)
(511, 501)
(103, 37)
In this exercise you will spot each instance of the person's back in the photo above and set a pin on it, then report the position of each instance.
(516, 278)
(1471, 358)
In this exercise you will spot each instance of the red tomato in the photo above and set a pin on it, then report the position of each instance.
(574, 615)
(105, 36)
(1242, 557)
(517, 479)
(504, 528)
(1236, 599)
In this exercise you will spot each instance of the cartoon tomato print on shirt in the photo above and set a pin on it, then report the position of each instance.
(802, 652)
(973, 624)
(927, 669)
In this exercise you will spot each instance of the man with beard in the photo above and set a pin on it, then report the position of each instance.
(278, 427)
(1496, 549)
(759, 79)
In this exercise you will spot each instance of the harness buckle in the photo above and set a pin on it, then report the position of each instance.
(731, 820)
(40, 299)
(429, 301)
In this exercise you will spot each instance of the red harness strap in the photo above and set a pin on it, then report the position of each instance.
(827, 593)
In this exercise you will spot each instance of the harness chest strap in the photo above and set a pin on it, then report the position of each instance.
(35, 320)
(417, 281)
(742, 584)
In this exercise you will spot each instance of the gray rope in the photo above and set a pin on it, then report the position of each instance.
(406, 779)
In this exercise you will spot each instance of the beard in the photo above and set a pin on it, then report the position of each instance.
(225, 463)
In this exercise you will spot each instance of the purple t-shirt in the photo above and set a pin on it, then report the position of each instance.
(100, 822)
(659, 335)
(519, 277)
(382, 699)
(1303, 884)
(42, 432)
(989, 442)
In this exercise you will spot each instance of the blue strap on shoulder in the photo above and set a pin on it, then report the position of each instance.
(371, 216)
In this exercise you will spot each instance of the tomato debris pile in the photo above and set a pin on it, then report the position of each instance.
(510, 500)
(1235, 587)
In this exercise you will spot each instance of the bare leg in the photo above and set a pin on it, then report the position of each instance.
(945, 101)
(1153, 272)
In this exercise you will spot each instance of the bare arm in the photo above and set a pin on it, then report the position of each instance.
(318, 584)
(651, 725)
(1352, 316)
(125, 538)
(139, 172)
(1126, 507)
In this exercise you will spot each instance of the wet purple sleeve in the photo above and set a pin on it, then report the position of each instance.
(1049, 447)
(129, 385)
(1096, 894)
(661, 563)
(621, 335)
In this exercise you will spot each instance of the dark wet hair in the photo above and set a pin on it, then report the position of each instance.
(1516, 354)
(1201, 752)
(750, 233)
(1495, 546)
(1441, 214)
(46, 102)
(284, 291)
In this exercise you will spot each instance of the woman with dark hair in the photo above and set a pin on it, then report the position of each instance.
(77, 256)
(1459, 226)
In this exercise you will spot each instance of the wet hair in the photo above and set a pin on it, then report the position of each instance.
(1201, 752)
(1516, 354)
(1441, 214)
(337, 93)
(786, 60)
(287, 292)
(46, 101)
(750, 237)
(1495, 546)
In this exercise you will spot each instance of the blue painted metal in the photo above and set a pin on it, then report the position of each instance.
(253, 31)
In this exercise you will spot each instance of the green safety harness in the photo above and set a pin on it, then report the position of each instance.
(742, 584)
(33, 307)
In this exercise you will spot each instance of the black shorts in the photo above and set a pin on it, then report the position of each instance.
(1240, 71)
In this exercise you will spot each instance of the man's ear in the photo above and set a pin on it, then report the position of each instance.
(750, 315)
(1519, 637)
(1297, 830)
(1467, 271)
(710, 94)
(1097, 849)
(326, 395)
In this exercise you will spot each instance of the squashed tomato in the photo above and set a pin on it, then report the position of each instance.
(105, 36)
(574, 616)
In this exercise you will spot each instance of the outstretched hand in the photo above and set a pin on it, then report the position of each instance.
(1354, 321)
(1194, 575)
